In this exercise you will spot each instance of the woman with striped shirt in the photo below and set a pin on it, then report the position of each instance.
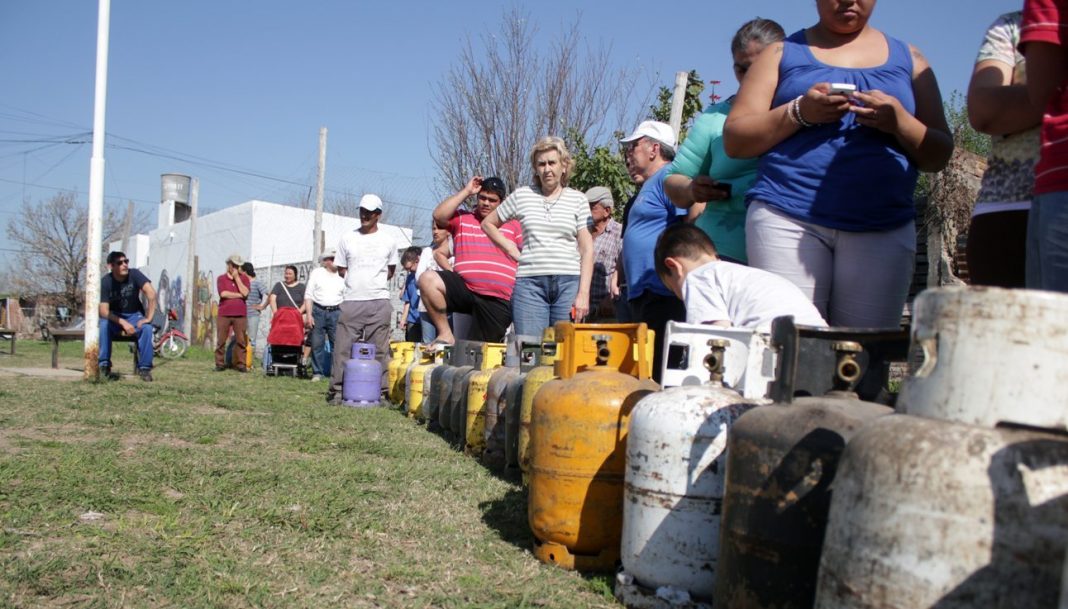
(552, 283)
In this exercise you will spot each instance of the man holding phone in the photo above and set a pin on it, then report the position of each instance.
(233, 287)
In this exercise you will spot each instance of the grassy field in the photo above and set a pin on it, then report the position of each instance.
(208, 489)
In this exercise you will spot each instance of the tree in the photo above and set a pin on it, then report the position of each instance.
(691, 103)
(603, 165)
(53, 239)
(496, 100)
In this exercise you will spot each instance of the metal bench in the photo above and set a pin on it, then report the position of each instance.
(8, 335)
(65, 335)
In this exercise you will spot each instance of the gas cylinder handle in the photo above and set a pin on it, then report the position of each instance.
(847, 371)
(716, 358)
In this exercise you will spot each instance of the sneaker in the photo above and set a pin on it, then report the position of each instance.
(220, 368)
(316, 377)
(106, 373)
(333, 399)
(146, 375)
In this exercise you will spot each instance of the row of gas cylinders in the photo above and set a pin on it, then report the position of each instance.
(773, 473)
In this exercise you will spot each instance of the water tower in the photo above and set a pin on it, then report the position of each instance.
(174, 199)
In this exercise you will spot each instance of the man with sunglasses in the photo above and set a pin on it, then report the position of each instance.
(122, 312)
(483, 275)
(648, 152)
(367, 259)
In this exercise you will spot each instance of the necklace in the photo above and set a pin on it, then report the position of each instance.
(549, 205)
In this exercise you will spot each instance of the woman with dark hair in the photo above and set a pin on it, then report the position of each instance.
(843, 117)
(702, 177)
(289, 293)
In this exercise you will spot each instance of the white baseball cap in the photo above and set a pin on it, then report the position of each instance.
(371, 203)
(661, 132)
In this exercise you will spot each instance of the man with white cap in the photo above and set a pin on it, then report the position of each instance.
(607, 242)
(325, 290)
(367, 258)
(648, 153)
(233, 289)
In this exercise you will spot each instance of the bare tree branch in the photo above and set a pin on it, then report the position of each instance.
(496, 100)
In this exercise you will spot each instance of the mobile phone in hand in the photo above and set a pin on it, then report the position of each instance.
(725, 187)
(842, 88)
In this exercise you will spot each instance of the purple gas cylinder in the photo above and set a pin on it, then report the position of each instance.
(363, 377)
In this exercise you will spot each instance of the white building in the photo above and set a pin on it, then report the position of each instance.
(268, 235)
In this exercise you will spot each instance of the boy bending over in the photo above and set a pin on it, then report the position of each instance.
(724, 293)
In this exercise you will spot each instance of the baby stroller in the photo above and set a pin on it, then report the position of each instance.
(285, 343)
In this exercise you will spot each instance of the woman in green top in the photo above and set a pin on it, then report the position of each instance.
(702, 175)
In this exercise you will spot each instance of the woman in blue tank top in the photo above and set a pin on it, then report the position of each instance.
(843, 117)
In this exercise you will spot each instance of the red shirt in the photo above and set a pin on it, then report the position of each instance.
(486, 269)
(231, 307)
(1047, 21)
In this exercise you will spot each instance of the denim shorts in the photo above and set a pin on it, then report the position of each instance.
(540, 301)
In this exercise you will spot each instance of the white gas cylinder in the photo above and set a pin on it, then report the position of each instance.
(674, 485)
(748, 368)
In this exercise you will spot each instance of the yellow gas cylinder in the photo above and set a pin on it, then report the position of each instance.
(578, 453)
(416, 378)
(477, 388)
(402, 354)
(630, 345)
(537, 377)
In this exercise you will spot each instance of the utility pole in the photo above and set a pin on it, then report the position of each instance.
(682, 80)
(96, 197)
(191, 264)
(127, 226)
(317, 239)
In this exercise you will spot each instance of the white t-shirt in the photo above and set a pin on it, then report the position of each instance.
(325, 288)
(367, 258)
(550, 229)
(426, 263)
(745, 296)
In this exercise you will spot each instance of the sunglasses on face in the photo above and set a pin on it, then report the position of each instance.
(121, 262)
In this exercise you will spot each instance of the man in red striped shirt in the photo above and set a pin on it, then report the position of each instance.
(483, 275)
(1044, 43)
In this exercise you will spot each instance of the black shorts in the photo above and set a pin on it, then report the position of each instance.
(492, 316)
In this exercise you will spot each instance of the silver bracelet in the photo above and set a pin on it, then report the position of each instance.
(798, 118)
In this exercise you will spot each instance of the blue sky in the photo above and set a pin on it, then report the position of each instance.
(246, 85)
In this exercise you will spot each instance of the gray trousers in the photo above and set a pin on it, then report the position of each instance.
(361, 321)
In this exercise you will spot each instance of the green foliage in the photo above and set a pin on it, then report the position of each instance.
(691, 105)
(600, 166)
(964, 136)
(603, 165)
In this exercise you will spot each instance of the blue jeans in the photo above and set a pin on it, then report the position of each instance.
(540, 301)
(325, 328)
(145, 348)
(430, 332)
(1047, 243)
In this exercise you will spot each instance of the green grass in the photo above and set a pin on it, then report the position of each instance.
(220, 490)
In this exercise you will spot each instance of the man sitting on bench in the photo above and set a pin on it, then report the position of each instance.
(121, 312)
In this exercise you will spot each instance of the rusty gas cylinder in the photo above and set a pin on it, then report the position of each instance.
(962, 501)
(402, 355)
(474, 407)
(529, 353)
(578, 444)
(781, 462)
(538, 376)
(676, 462)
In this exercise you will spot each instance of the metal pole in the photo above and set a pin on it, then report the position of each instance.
(682, 79)
(191, 268)
(96, 197)
(317, 239)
